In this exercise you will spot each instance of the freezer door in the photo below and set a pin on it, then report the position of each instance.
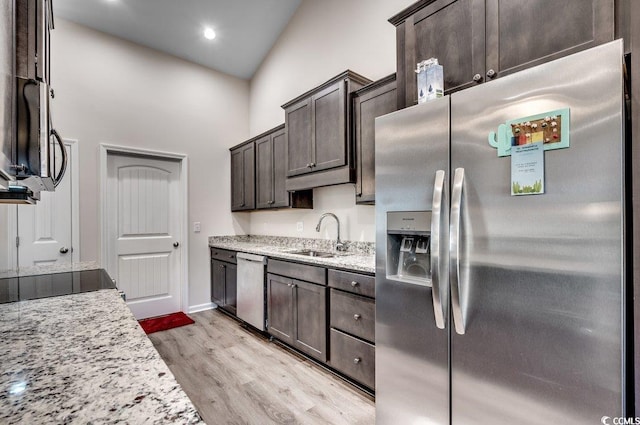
(540, 285)
(412, 377)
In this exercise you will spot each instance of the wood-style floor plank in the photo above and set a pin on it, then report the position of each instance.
(234, 376)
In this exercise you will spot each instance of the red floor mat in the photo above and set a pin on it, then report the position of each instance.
(162, 323)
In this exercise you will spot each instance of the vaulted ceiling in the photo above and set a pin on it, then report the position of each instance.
(245, 29)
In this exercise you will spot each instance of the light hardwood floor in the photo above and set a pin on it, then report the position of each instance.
(234, 376)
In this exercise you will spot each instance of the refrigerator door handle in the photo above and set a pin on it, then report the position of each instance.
(454, 250)
(436, 222)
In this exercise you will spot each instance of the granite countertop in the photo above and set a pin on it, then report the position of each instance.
(83, 358)
(359, 257)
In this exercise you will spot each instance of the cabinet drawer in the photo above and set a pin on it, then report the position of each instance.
(353, 282)
(353, 314)
(223, 255)
(303, 272)
(353, 357)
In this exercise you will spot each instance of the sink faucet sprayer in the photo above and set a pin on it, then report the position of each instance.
(339, 245)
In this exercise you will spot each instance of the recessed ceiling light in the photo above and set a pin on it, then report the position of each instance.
(209, 34)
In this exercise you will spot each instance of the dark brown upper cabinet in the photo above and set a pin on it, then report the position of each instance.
(243, 177)
(271, 174)
(479, 40)
(372, 101)
(319, 146)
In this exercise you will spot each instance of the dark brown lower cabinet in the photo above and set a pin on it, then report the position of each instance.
(280, 308)
(354, 357)
(352, 325)
(310, 318)
(224, 283)
(297, 314)
(334, 325)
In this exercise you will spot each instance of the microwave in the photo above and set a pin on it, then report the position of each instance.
(28, 141)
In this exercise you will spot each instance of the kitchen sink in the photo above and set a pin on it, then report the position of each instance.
(313, 253)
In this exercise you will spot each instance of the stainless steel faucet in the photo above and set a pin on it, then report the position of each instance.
(339, 245)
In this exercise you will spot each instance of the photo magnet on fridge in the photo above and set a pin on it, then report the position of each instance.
(527, 169)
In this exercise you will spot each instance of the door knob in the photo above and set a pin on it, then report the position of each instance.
(176, 244)
(64, 250)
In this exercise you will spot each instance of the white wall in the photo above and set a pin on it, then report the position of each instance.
(112, 91)
(322, 39)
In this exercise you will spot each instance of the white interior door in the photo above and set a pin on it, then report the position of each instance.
(44, 229)
(143, 228)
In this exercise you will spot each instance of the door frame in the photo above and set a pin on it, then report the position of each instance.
(111, 149)
(72, 144)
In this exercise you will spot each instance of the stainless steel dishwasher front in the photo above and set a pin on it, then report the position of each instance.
(251, 289)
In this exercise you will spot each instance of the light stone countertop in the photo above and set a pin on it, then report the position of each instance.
(83, 358)
(360, 256)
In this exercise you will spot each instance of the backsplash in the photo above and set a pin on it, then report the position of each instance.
(354, 247)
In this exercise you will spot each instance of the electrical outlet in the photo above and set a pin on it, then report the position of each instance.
(300, 226)
(196, 227)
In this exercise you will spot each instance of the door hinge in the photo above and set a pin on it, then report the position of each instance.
(17, 241)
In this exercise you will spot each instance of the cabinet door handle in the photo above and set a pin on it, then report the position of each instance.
(356, 317)
(491, 73)
(242, 204)
(354, 284)
(308, 165)
(357, 360)
(477, 78)
(221, 266)
(313, 164)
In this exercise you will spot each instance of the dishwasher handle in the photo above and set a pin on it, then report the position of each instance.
(252, 257)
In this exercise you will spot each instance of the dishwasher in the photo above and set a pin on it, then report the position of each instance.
(251, 289)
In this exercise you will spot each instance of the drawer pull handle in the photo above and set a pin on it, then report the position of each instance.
(356, 360)
(231, 256)
(356, 317)
(354, 283)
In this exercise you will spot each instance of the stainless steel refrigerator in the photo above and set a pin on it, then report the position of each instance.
(493, 308)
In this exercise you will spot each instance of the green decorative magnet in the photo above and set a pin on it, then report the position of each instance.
(551, 128)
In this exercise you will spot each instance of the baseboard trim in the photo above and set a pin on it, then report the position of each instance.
(201, 307)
